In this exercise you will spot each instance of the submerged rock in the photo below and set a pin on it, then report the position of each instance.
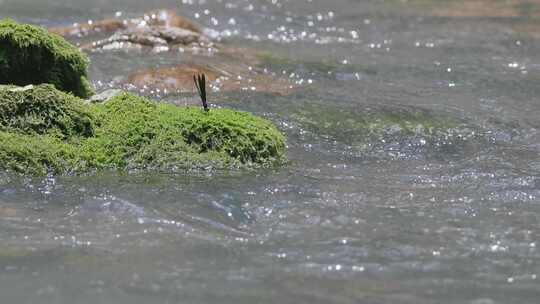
(387, 130)
(31, 55)
(175, 78)
(482, 8)
(44, 130)
(524, 14)
(229, 77)
(105, 96)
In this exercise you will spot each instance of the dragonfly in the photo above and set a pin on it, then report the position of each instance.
(200, 83)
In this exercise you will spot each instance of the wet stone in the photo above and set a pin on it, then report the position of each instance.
(154, 30)
(105, 96)
(230, 69)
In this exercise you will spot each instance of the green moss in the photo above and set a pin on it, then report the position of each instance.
(42, 109)
(135, 132)
(36, 154)
(31, 55)
(128, 132)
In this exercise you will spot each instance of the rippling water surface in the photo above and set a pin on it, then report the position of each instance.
(401, 219)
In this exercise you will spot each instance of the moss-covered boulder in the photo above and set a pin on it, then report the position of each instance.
(44, 130)
(31, 55)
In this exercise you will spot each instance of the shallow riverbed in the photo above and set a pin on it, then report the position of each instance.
(396, 220)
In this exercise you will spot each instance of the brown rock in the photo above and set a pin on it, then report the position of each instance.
(7, 212)
(85, 29)
(180, 79)
(483, 8)
(177, 78)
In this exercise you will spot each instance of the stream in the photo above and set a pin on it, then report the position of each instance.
(396, 220)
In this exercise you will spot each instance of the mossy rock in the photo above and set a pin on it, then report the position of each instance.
(41, 110)
(70, 135)
(31, 55)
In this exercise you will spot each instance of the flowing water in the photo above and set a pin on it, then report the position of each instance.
(402, 221)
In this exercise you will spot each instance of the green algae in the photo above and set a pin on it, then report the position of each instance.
(388, 130)
(128, 132)
(321, 67)
(381, 130)
(31, 55)
(355, 126)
